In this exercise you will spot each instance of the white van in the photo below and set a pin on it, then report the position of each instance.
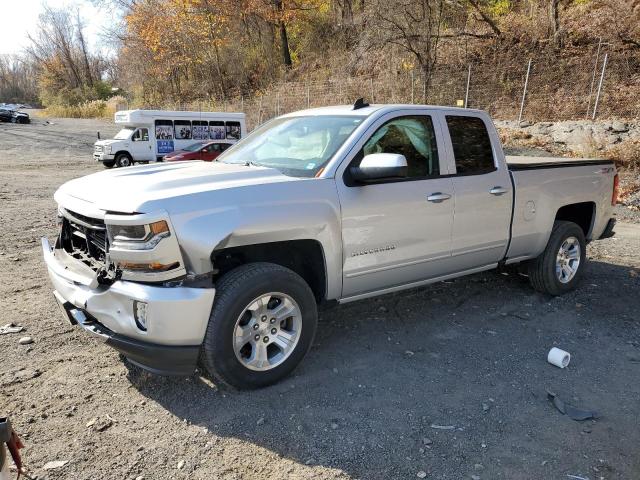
(148, 135)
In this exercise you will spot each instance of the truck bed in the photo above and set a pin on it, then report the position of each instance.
(515, 162)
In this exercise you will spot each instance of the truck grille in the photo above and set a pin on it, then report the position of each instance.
(85, 239)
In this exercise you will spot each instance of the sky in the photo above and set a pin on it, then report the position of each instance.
(20, 17)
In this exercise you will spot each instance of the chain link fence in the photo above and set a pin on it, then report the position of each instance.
(594, 83)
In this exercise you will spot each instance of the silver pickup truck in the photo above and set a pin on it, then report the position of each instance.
(221, 265)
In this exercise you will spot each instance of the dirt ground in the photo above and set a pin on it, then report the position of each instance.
(443, 382)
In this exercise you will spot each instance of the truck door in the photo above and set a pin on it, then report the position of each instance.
(141, 147)
(483, 192)
(399, 231)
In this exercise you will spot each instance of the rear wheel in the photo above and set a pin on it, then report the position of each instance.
(109, 163)
(123, 160)
(261, 326)
(558, 269)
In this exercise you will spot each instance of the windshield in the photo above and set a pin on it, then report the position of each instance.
(297, 146)
(124, 134)
(193, 148)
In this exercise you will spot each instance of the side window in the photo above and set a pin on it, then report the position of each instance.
(141, 135)
(182, 129)
(216, 130)
(471, 145)
(411, 136)
(224, 146)
(233, 130)
(164, 130)
(200, 130)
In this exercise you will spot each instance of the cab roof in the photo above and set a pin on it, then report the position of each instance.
(348, 110)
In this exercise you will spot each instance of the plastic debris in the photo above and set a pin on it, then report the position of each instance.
(574, 413)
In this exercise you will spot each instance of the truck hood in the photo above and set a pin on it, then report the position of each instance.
(133, 189)
(107, 142)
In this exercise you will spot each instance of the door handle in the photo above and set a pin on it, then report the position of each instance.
(498, 191)
(438, 197)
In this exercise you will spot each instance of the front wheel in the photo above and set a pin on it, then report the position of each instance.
(558, 269)
(109, 163)
(123, 160)
(261, 326)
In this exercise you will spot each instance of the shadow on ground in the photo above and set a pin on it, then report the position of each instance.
(449, 379)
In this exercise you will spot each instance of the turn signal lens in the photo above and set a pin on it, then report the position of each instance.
(140, 314)
(148, 267)
(159, 227)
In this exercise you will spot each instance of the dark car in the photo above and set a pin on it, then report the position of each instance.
(13, 116)
(207, 151)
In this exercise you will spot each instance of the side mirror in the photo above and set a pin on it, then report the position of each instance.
(380, 166)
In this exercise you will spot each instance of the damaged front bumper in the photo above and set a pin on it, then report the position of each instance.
(175, 317)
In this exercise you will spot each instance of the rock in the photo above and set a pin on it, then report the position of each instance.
(334, 425)
(260, 421)
(478, 466)
(55, 464)
(427, 441)
(181, 464)
(335, 370)
(25, 341)
(103, 424)
(619, 127)
(139, 477)
(486, 407)
(409, 353)
(475, 477)
(91, 422)
(421, 474)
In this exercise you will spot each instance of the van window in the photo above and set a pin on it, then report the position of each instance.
(164, 130)
(200, 130)
(182, 129)
(233, 130)
(471, 145)
(217, 130)
(141, 135)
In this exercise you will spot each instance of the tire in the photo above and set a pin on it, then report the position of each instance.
(109, 163)
(236, 291)
(543, 270)
(123, 160)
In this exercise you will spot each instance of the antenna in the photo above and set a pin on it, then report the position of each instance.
(360, 103)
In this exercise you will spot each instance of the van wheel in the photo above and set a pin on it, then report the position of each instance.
(558, 269)
(261, 326)
(123, 160)
(109, 163)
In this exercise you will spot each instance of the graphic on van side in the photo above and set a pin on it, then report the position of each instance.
(165, 146)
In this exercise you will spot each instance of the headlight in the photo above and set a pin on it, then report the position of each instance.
(138, 237)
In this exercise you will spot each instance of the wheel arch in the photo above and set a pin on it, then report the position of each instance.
(306, 257)
(583, 214)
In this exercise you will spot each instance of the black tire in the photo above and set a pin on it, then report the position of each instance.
(123, 160)
(109, 163)
(234, 291)
(542, 270)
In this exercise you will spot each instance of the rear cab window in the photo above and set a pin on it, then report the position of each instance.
(471, 144)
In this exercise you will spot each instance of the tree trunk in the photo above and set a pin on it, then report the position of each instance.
(554, 21)
(284, 45)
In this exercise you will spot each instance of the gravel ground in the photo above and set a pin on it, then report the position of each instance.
(442, 382)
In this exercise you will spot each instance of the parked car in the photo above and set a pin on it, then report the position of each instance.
(225, 262)
(207, 151)
(14, 116)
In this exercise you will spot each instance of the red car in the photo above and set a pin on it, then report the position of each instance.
(207, 151)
